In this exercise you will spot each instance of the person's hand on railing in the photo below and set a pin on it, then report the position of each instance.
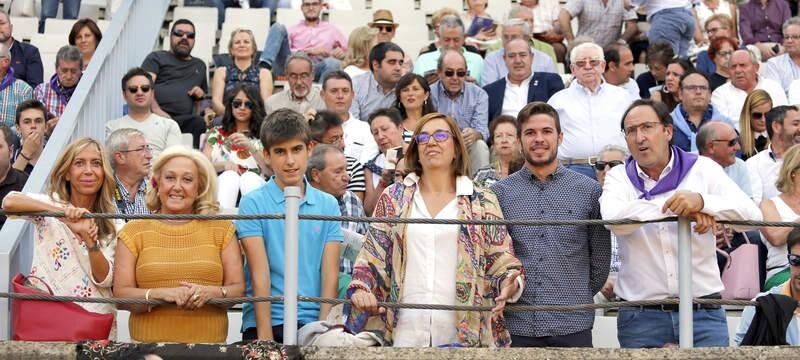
(703, 222)
(508, 288)
(366, 301)
(200, 295)
(181, 296)
(684, 203)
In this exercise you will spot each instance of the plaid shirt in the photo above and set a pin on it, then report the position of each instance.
(122, 198)
(50, 98)
(14, 94)
(350, 205)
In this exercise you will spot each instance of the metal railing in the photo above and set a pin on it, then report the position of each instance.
(97, 99)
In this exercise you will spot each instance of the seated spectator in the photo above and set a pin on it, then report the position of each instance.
(179, 261)
(706, 10)
(159, 132)
(693, 111)
(600, 22)
(546, 26)
(671, 22)
(337, 93)
(49, 9)
(234, 148)
(619, 68)
(790, 288)
(760, 26)
(10, 179)
(783, 123)
(752, 128)
(658, 55)
(301, 95)
(451, 36)
(86, 36)
(729, 98)
(506, 153)
(286, 139)
(387, 128)
(720, 51)
(326, 129)
(718, 25)
(243, 69)
(31, 127)
(55, 94)
(361, 40)
(465, 102)
(609, 157)
(320, 40)
(383, 21)
(669, 93)
(435, 258)
(25, 58)
(12, 90)
(80, 183)
(436, 20)
(376, 89)
(485, 37)
(521, 84)
(785, 68)
(180, 79)
(130, 159)
(494, 67)
(718, 141)
(412, 95)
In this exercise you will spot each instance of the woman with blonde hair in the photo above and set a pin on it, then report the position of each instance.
(439, 264)
(184, 262)
(784, 207)
(242, 69)
(74, 256)
(361, 41)
(753, 123)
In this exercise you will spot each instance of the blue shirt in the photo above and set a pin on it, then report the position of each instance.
(368, 96)
(313, 236)
(470, 108)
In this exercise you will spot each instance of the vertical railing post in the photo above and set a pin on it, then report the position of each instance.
(292, 196)
(686, 311)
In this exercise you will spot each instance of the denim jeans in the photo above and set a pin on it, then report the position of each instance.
(71, 10)
(675, 26)
(276, 51)
(583, 169)
(651, 328)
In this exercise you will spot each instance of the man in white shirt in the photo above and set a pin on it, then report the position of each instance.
(619, 68)
(337, 93)
(589, 110)
(785, 68)
(658, 181)
(783, 127)
(729, 98)
(160, 132)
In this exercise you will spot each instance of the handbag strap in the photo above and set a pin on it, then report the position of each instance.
(50, 290)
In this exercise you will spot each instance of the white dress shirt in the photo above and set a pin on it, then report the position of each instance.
(766, 168)
(729, 99)
(590, 121)
(516, 96)
(649, 252)
(358, 140)
(794, 92)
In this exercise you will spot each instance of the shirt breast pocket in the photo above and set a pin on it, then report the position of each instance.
(572, 238)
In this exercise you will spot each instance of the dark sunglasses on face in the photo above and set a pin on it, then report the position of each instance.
(731, 142)
(438, 136)
(601, 165)
(181, 33)
(757, 115)
(459, 73)
(385, 28)
(135, 89)
(794, 260)
(238, 103)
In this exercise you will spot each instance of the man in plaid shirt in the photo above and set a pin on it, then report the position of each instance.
(56, 92)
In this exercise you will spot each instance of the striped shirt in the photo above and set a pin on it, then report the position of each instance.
(48, 96)
(14, 94)
(357, 179)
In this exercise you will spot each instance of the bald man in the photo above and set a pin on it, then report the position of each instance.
(720, 142)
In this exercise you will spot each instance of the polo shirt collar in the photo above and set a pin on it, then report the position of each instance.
(276, 194)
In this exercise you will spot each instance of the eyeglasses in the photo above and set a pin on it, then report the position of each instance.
(731, 142)
(725, 53)
(338, 139)
(756, 115)
(238, 103)
(714, 30)
(384, 28)
(794, 259)
(181, 33)
(459, 73)
(135, 89)
(646, 128)
(600, 165)
(438, 136)
(141, 148)
(592, 63)
(695, 87)
(792, 37)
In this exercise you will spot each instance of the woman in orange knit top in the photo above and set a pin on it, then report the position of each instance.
(185, 262)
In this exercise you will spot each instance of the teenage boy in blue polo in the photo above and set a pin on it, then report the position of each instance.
(286, 138)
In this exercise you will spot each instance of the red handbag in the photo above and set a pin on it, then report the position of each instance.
(35, 320)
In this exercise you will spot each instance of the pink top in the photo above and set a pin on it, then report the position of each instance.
(325, 34)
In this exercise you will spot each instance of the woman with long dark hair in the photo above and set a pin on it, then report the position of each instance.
(413, 101)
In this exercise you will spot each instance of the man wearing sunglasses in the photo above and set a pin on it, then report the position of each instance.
(729, 97)
(719, 141)
(783, 128)
(159, 132)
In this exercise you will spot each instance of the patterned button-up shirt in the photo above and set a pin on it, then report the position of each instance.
(470, 108)
(123, 198)
(48, 96)
(350, 205)
(563, 264)
(369, 96)
(14, 94)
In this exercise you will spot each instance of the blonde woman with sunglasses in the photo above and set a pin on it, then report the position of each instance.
(753, 123)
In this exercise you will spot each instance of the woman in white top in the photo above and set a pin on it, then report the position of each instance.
(356, 61)
(387, 129)
(784, 207)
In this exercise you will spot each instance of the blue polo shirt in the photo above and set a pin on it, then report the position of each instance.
(313, 235)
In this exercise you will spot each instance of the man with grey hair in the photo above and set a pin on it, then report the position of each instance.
(451, 37)
(12, 90)
(785, 68)
(55, 94)
(130, 158)
(494, 67)
(729, 98)
(589, 109)
(600, 20)
(301, 95)
(719, 141)
(609, 157)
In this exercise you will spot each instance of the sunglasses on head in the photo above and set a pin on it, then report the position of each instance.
(794, 260)
(181, 33)
(438, 136)
(459, 73)
(757, 115)
(238, 103)
(135, 89)
(601, 165)
(731, 142)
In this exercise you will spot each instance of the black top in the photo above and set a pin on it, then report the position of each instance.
(716, 80)
(645, 81)
(27, 63)
(432, 47)
(14, 181)
(174, 79)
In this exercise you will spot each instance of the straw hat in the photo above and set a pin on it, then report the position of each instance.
(382, 17)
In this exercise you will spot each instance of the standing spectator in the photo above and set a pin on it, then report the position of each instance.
(619, 68)
(658, 55)
(452, 35)
(657, 181)
(494, 67)
(86, 36)
(413, 102)
(753, 123)
(785, 68)
(508, 95)
(130, 159)
(671, 21)
(563, 264)
(729, 98)
(242, 69)
(717, 26)
(12, 90)
(669, 93)
(694, 111)
(781, 208)
(376, 89)
(465, 102)
(301, 95)
(602, 21)
(760, 24)
(506, 152)
(720, 51)
(31, 127)
(337, 93)
(25, 58)
(70, 10)
(361, 40)
(326, 129)
(320, 40)
(181, 80)
(55, 94)
(160, 132)
(719, 141)
(783, 124)
(11, 179)
(546, 26)
(588, 110)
